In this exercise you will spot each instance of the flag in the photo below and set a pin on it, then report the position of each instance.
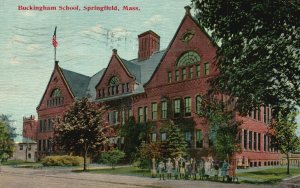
(54, 42)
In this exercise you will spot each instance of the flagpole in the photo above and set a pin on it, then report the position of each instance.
(54, 43)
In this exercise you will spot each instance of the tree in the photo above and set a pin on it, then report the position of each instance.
(284, 137)
(147, 152)
(259, 54)
(83, 129)
(224, 127)
(176, 145)
(7, 134)
(134, 134)
(113, 157)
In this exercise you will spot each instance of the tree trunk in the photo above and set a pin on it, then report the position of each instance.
(84, 157)
(288, 163)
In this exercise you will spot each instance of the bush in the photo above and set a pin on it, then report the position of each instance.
(113, 157)
(64, 160)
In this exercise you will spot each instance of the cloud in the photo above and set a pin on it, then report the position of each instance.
(33, 47)
(14, 61)
(155, 20)
(119, 32)
(94, 30)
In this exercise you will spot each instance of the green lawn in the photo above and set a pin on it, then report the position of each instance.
(131, 170)
(269, 176)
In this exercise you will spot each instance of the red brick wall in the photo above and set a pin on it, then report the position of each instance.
(30, 125)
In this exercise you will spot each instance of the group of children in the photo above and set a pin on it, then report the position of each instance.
(181, 168)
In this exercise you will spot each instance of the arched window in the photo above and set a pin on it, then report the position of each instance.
(55, 99)
(188, 58)
(113, 81)
(56, 93)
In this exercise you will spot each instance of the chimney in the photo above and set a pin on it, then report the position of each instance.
(115, 52)
(149, 43)
(187, 10)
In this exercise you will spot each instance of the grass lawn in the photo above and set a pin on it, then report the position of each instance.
(268, 176)
(131, 170)
(20, 163)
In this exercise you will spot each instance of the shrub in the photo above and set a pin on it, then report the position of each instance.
(64, 160)
(113, 157)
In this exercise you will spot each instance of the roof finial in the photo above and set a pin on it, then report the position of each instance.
(115, 51)
(187, 10)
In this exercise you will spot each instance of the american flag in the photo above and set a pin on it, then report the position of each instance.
(54, 42)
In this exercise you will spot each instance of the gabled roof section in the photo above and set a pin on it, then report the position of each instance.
(187, 15)
(134, 69)
(78, 83)
(91, 90)
(115, 55)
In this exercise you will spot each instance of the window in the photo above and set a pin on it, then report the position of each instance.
(129, 113)
(21, 146)
(55, 99)
(187, 106)
(258, 142)
(265, 114)
(44, 145)
(258, 114)
(41, 126)
(117, 89)
(45, 125)
(140, 115)
(169, 77)
(164, 110)
(113, 81)
(250, 140)
(112, 90)
(198, 71)
(40, 145)
(176, 108)
(127, 87)
(191, 72)
(198, 104)
(183, 74)
(199, 139)
(123, 88)
(188, 58)
(176, 75)
(154, 111)
(254, 114)
(103, 93)
(245, 139)
(108, 91)
(153, 137)
(145, 114)
(29, 155)
(49, 124)
(113, 117)
(206, 68)
(265, 143)
(123, 117)
(188, 138)
(254, 139)
(163, 137)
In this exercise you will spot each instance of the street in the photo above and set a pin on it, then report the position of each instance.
(63, 178)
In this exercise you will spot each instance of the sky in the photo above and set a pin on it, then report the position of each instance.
(85, 42)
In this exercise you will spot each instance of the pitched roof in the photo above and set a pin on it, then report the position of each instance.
(93, 82)
(78, 83)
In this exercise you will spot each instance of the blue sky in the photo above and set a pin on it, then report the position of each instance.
(85, 42)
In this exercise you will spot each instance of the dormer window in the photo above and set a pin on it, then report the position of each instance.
(55, 99)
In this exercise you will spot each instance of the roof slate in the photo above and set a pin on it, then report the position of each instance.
(92, 84)
(78, 83)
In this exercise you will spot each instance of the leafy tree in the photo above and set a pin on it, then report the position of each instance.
(113, 157)
(134, 134)
(223, 130)
(284, 137)
(176, 145)
(83, 129)
(259, 52)
(7, 134)
(148, 151)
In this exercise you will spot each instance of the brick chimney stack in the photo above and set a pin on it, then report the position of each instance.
(149, 43)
